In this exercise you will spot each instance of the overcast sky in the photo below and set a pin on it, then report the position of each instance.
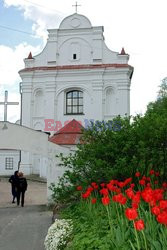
(138, 26)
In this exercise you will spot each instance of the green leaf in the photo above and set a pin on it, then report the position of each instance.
(157, 245)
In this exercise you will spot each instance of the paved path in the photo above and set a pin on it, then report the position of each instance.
(24, 228)
(36, 193)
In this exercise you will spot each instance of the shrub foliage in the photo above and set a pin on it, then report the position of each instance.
(117, 149)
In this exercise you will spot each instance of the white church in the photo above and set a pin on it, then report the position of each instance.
(76, 76)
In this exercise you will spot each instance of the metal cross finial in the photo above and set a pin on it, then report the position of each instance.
(6, 103)
(76, 6)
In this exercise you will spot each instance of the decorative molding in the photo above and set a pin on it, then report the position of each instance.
(75, 22)
(71, 67)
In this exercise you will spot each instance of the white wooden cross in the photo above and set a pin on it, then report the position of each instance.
(76, 6)
(6, 103)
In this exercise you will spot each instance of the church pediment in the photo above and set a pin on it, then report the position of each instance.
(76, 42)
(75, 21)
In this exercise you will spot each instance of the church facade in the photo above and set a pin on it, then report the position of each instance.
(76, 76)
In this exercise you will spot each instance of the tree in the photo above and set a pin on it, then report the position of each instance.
(163, 89)
(118, 149)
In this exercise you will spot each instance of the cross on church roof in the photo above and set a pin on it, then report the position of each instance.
(6, 103)
(76, 6)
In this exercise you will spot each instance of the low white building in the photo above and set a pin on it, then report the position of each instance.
(17, 137)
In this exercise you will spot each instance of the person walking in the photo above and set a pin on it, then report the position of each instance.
(22, 187)
(14, 183)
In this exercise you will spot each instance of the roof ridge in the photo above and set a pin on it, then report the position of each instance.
(68, 125)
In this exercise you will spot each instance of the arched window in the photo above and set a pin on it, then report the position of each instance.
(74, 102)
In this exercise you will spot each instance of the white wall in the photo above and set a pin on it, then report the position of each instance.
(23, 138)
(54, 171)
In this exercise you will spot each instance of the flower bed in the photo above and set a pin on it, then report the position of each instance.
(129, 214)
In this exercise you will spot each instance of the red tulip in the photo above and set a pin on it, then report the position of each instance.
(105, 200)
(127, 181)
(121, 184)
(164, 184)
(152, 203)
(89, 189)
(118, 190)
(86, 195)
(119, 198)
(94, 185)
(132, 185)
(131, 213)
(112, 182)
(155, 210)
(147, 194)
(136, 198)
(139, 225)
(152, 172)
(111, 186)
(79, 188)
(137, 174)
(135, 205)
(162, 218)
(104, 191)
(158, 194)
(129, 192)
(163, 204)
(157, 174)
(142, 182)
(93, 201)
(148, 179)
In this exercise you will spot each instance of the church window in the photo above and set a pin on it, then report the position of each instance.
(9, 163)
(74, 56)
(74, 102)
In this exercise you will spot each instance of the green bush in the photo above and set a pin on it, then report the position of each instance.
(135, 142)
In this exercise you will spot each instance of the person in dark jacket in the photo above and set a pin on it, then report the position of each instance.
(14, 183)
(22, 187)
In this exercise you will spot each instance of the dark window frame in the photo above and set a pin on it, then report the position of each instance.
(9, 163)
(74, 102)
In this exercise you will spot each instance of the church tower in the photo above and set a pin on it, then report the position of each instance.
(76, 76)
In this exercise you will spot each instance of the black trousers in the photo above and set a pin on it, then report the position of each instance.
(20, 194)
(14, 192)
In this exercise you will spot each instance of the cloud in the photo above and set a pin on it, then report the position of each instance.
(43, 16)
(11, 62)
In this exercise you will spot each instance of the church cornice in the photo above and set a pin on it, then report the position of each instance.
(76, 67)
